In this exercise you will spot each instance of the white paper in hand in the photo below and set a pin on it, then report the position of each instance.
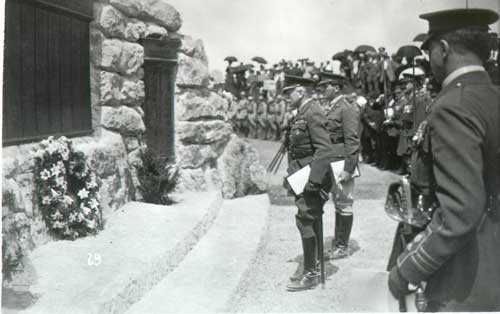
(299, 179)
(338, 167)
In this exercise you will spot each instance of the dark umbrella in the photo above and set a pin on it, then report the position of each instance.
(420, 37)
(230, 59)
(242, 68)
(409, 52)
(364, 48)
(339, 56)
(259, 60)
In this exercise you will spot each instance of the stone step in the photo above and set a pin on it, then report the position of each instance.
(139, 246)
(208, 276)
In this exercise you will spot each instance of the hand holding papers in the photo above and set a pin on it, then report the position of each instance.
(299, 179)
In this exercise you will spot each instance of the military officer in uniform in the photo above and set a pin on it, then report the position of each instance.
(261, 119)
(308, 144)
(343, 127)
(241, 115)
(458, 253)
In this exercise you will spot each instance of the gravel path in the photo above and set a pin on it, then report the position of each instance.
(354, 284)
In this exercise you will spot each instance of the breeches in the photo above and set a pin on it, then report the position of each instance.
(310, 208)
(342, 197)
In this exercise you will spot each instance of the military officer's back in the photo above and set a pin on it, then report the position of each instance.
(458, 253)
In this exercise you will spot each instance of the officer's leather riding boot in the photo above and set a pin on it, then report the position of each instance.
(310, 278)
(341, 249)
(337, 230)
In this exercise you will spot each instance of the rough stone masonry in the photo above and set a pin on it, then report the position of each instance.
(209, 154)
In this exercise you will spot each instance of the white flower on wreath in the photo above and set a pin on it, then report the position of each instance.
(57, 215)
(83, 193)
(55, 194)
(94, 204)
(61, 181)
(72, 217)
(55, 170)
(52, 148)
(92, 183)
(46, 200)
(57, 225)
(86, 211)
(68, 200)
(44, 174)
(80, 217)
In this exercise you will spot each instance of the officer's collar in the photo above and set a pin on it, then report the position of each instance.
(336, 100)
(461, 71)
(303, 107)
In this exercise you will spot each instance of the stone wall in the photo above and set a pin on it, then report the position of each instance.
(208, 153)
(117, 94)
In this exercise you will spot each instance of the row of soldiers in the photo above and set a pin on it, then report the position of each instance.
(264, 118)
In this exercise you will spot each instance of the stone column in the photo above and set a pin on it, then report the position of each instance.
(160, 69)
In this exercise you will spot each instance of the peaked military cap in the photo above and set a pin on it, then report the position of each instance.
(332, 79)
(292, 82)
(441, 22)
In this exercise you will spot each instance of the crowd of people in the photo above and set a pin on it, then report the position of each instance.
(443, 114)
(392, 93)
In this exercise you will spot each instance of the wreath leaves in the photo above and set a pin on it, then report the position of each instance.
(67, 190)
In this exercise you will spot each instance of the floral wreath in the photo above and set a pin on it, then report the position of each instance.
(67, 189)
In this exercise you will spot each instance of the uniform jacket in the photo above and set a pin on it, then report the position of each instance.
(242, 110)
(343, 127)
(309, 142)
(372, 114)
(458, 254)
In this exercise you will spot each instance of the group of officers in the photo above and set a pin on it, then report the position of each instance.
(455, 157)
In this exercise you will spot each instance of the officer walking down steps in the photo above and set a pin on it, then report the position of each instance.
(309, 144)
(458, 253)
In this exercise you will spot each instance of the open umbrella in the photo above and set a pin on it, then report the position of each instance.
(420, 37)
(230, 59)
(364, 48)
(339, 56)
(409, 52)
(259, 60)
(242, 68)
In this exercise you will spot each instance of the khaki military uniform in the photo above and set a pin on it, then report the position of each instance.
(343, 127)
(309, 143)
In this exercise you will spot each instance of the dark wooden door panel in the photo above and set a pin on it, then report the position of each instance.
(46, 69)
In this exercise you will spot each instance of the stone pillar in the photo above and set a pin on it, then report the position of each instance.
(160, 69)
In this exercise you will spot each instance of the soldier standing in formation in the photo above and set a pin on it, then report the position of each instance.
(458, 253)
(252, 117)
(343, 127)
(309, 144)
(261, 119)
(241, 116)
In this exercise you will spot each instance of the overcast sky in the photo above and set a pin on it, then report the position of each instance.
(291, 29)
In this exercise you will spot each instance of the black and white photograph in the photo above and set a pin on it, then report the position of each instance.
(250, 156)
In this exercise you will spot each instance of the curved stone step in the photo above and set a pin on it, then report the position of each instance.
(208, 276)
(140, 245)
